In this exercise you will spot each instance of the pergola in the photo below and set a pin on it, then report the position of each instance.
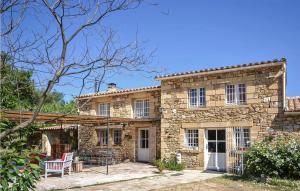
(61, 118)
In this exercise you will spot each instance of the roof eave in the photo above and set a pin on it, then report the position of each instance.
(221, 71)
(118, 93)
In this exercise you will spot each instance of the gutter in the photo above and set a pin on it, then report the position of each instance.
(284, 82)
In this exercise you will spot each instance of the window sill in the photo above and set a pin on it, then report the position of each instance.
(198, 108)
(235, 105)
(190, 150)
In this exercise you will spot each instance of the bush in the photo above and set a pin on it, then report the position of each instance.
(277, 157)
(17, 171)
(170, 165)
(18, 162)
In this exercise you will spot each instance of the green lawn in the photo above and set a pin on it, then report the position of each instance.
(236, 183)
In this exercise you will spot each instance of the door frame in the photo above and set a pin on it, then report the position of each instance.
(138, 145)
(206, 146)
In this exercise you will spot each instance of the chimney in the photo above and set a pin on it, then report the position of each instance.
(111, 87)
(96, 84)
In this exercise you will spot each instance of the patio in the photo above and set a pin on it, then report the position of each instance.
(129, 172)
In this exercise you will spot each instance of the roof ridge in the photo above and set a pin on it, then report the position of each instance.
(119, 91)
(221, 68)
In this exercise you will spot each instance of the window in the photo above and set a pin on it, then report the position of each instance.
(197, 97)
(236, 94)
(102, 137)
(104, 109)
(144, 138)
(191, 138)
(117, 136)
(241, 138)
(141, 108)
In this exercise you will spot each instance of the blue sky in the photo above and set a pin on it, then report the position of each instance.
(189, 35)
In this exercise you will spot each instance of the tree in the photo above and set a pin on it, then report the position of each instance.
(72, 26)
(16, 89)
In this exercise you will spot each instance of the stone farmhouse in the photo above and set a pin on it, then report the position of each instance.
(205, 118)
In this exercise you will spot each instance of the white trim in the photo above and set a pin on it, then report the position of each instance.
(143, 105)
(198, 105)
(139, 142)
(107, 110)
(236, 93)
(206, 146)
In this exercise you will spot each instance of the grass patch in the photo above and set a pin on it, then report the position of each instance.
(273, 183)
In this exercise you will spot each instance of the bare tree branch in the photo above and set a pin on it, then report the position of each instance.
(64, 45)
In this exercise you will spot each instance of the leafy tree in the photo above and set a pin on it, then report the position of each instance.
(17, 88)
(18, 91)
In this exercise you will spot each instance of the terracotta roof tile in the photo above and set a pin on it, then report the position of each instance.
(148, 88)
(293, 103)
(220, 68)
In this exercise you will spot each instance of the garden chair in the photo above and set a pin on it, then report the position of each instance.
(59, 165)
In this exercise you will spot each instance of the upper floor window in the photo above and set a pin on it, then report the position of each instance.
(191, 138)
(117, 133)
(236, 94)
(141, 108)
(241, 138)
(104, 109)
(197, 97)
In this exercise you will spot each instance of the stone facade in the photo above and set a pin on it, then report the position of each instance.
(172, 116)
(263, 108)
(121, 105)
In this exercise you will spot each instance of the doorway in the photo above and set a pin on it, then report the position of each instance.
(143, 145)
(215, 149)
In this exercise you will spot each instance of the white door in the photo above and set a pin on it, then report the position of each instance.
(216, 149)
(143, 145)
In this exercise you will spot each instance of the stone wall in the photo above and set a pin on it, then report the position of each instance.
(291, 123)
(264, 108)
(122, 105)
(88, 139)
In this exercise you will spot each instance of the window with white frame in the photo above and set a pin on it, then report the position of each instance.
(191, 138)
(102, 137)
(117, 133)
(241, 138)
(141, 108)
(197, 97)
(104, 109)
(236, 94)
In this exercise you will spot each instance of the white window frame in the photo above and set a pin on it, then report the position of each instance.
(192, 138)
(117, 137)
(143, 110)
(103, 136)
(241, 138)
(235, 94)
(199, 98)
(104, 109)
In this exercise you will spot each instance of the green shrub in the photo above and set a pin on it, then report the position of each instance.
(17, 172)
(159, 164)
(277, 157)
(18, 162)
(170, 165)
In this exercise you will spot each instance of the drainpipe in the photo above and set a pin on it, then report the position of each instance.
(284, 81)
